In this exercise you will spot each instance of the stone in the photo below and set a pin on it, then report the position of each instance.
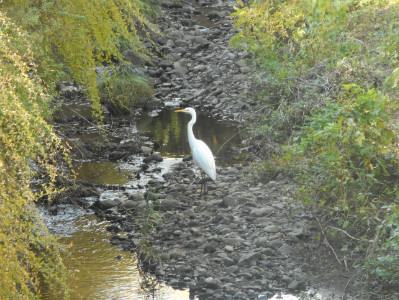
(245, 70)
(299, 233)
(227, 261)
(212, 283)
(129, 205)
(275, 244)
(200, 40)
(294, 285)
(165, 64)
(249, 258)
(209, 248)
(106, 204)
(153, 157)
(234, 200)
(240, 296)
(183, 269)
(146, 150)
(179, 69)
(241, 63)
(271, 229)
(136, 196)
(133, 58)
(177, 254)
(262, 212)
(233, 241)
(113, 228)
(229, 248)
(285, 249)
(169, 204)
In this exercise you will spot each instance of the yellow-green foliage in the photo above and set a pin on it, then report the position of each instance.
(27, 145)
(305, 33)
(79, 34)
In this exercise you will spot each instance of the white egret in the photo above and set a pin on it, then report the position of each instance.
(202, 155)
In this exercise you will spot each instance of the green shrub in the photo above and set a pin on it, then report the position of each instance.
(123, 87)
(339, 144)
(350, 148)
(382, 262)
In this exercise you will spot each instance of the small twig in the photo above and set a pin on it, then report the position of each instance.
(343, 231)
(325, 238)
(347, 284)
(308, 83)
(357, 40)
(228, 141)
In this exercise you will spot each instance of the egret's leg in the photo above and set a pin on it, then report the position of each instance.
(202, 185)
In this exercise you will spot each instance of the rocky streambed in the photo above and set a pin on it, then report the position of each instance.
(245, 240)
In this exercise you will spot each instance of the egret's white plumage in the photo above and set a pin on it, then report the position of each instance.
(202, 155)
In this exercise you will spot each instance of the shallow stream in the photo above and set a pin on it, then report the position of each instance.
(100, 270)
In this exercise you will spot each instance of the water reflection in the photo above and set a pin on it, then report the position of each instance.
(100, 271)
(169, 129)
(103, 173)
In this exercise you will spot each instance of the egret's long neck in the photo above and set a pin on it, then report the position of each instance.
(191, 137)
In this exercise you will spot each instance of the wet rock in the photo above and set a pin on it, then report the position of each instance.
(115, 155)
(144, 167)
(240, 296)
(153, 157)
(66, 87)
(106, 204)
(136, 197)
(146, 150)
(113, 228)
(129, 205)
(213, 16)
(148, 195)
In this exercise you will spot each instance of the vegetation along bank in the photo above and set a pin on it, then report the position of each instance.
(320, 104)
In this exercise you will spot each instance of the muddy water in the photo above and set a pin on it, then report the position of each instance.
(99, 270)
(169, 130)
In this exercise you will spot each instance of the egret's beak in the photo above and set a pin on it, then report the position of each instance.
(181, 110)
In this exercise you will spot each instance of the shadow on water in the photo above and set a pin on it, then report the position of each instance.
(169, 129)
